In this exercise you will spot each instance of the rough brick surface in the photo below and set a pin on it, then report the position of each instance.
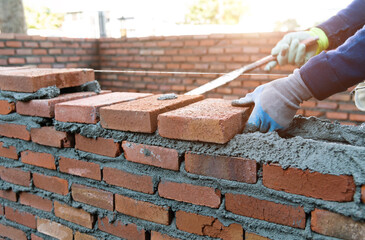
(336, 225)
(32, 79)
(207, 226)
(50, 137)
(311, 184)
(122, 230)
(83, 236)
(35, 201)
(23, 218)
(142, 210)
(141, 115)
(15, 175)
(210, 120)
(8, 194)
(140, 183)
(12, 233)
(14, 131)
(8, 152)
(231, 168)
(93, 196)
(101, 146)
(252, 236)
(87, 110)
(6, 107)
(75, 215)
(50, 183)
(45, 107)
(54, 229)
(266, 210)
(160, 236)
(363, 193)
(38, 159)
(151, 155)
(194, 194)
(80, 168)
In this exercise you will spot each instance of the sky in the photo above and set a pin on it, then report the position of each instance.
(163, 14)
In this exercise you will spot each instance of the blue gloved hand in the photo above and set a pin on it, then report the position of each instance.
(275, 102)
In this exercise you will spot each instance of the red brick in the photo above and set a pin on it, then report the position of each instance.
(101, 146)
(15, 175)
(80, 168)
(38, 159)
(253, 236)
(194, 194)
(141, 115)
(210, 120)
(142, 210)
(32, 79)
(8, 152)
(75, 215)
(50, 183)
(160, 236)
(87, 110)
(122, 230)
(311, 184)
(23, 218)
(357, 117)
(1, 210)
(14, 60)
(45, 107)
(231, 168)
(93, 196)
(140, 183)
(327, 105)
(13, 44)
(207, 226)
(35, 237)
(8, 194)
(363, 193)
(35, 201)
(83, 236)
(336, 225)
(337, 115)
(12, 233)
(50, 137)
(6, 107)
(151, 155)
(54, 229)
(14, 131)
(266, 210)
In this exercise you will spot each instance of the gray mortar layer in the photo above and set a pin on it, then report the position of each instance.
(317, 155)
(48, 92)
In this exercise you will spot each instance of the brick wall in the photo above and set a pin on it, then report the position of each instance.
(96, 168)
(208, 54)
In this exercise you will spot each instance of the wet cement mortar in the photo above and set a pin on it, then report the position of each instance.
(339, 155)
(49, 92)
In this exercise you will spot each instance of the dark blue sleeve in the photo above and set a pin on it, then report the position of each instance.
(343, 25)
(336, 70)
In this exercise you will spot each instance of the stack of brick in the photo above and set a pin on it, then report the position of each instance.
(128, 165)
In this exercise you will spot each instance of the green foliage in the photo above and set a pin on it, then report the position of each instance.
(43, 18)
(215, 12)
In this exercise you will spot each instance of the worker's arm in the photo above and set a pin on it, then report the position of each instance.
(331, 33)
(336, 70)
(325, 74)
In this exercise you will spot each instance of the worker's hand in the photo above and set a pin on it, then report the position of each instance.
(290, 50)
(275, 102)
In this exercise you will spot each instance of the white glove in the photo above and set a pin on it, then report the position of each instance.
(289, 50)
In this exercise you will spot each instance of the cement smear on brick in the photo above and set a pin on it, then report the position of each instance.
(49, 92)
